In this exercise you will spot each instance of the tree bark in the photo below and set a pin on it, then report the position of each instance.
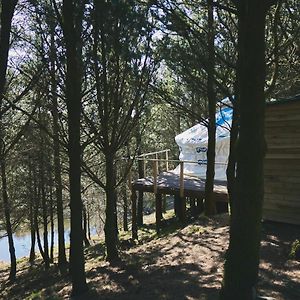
(62, 260)
(88, 222)
(37, 195)
(85, 228)
(209, 203)
(134, 228)
(72, 24)
(52, 225)
(125, 207)
(140, 202)
(231, 167)
(44, 213)
(7, 12)
(32, 230)
(242, 261)
(110, 211)
(13, 261)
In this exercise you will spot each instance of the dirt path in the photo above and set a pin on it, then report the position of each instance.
(185, 264)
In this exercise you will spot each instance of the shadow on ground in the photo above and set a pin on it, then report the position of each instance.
(180, 263)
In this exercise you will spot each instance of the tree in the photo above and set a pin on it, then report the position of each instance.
(122, 69)
(209, 203)
(7, 12)
(72, 15)
(242, 259)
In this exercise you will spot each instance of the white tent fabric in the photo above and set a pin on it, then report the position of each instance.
(193, 145)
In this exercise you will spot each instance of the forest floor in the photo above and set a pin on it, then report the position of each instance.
(180, 263)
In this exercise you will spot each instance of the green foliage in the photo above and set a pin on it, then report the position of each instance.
(195, 229)
(35, 295)
(295, 250)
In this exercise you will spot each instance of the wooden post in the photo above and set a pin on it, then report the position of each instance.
(155, 176)
(145, 166)
(167, 160)
(181, 182)
(133, 212)
(200, 206)
(183, 209)
(157, 165)
(158, 211)
(130, 178)
(176, 205)
(193, 206)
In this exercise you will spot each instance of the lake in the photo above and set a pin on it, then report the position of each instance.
(22, 242)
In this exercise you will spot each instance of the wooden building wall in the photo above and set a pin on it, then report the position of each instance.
(282, 163)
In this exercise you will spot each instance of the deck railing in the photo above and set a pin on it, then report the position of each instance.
(156, 160)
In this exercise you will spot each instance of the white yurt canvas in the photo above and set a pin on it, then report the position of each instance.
(193, 145)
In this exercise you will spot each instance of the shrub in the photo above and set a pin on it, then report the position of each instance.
(295, 250)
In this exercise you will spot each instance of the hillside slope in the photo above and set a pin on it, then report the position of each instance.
(181, 263)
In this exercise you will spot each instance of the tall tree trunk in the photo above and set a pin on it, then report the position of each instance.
(13, 261)
(32, 234)
(52, 225)
(72, 26)
(140, 200)
(62, 260)
(210, 206)
(231, 166)
(242, 260)
(7, 11)
(42, 186)
(110, 229)
(37, 196)
(125, 207)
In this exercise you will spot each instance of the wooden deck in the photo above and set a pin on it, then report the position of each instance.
(181, 186)
(169, 183)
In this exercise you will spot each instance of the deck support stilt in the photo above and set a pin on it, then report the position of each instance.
(193, 206)
(140, 207)
(183, 209)
(164, 203)
(158, 211)
(180, 207)
(200, 206)
(134, 228)
(176, 205)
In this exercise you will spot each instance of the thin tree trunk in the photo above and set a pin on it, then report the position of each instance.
(89, 222)
(209, 203)
(37, 195)
(140, 201)
(7, 11)
(52, 224)
(110, 229)
(125, 207)
(44, 211)
(62, 260)
(72, 26)
(13, 261)
(85, 229)
(242, 260)
(32, 225)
